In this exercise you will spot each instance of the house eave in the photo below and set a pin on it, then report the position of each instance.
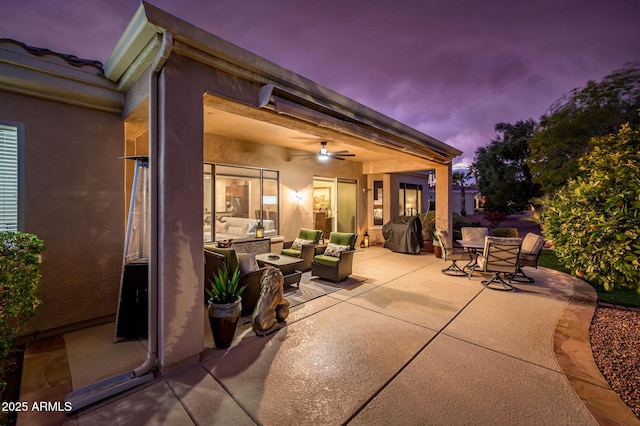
(197, 44)
(49, 76)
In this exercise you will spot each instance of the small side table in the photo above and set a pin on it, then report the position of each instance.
(286, 264)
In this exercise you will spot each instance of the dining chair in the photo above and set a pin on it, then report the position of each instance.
(499, 257)
(530, 251)
(452, 254)
(472, 233)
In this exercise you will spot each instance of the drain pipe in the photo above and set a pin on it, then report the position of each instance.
(106, 388)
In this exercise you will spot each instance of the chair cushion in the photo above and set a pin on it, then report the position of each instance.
(290, 252)
(299, 242)
(323, 259)
(312, 235)
(343, 238)
(474, 233)
(335, 249)
(230, 254)
(532, 243)
(247, 262)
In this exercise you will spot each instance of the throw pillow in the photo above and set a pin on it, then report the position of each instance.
(247, 262)
(220, 227)
(335, 249)
(299, 242)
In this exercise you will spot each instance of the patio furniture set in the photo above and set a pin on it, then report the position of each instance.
(504, 257)
(332, 261)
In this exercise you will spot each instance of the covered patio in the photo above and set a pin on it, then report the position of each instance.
(403, 344)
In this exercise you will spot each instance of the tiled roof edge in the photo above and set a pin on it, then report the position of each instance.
(70, 59)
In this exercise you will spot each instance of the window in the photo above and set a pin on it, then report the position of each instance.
(239, 192)
(410, 200)
(378, 210)
(9, 177)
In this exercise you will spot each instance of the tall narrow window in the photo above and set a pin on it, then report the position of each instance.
(8, 178)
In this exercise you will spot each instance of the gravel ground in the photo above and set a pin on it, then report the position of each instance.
(615, 342)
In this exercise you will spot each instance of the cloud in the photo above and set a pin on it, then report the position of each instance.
(450, 69)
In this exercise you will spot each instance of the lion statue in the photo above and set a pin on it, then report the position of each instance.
(272, 307)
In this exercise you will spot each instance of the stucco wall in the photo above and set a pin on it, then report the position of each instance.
(74, 202)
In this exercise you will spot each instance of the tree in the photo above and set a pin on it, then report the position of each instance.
(503, 175)
(594, 221)
(565, 131)
(459, 178)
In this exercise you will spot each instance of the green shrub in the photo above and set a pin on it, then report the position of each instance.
(505, 232)
(19, 280)
(594, 221)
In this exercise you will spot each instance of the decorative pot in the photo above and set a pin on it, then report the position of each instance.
(223, 319)
(579, 273)
(427, 246)
(437, 249)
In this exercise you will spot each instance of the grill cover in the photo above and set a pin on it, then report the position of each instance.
(403, 234)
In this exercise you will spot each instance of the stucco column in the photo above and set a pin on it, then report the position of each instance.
(179, 224)
(444, 192)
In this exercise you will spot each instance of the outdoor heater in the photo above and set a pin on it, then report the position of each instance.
(133, 306)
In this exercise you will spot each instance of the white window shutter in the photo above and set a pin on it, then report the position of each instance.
(8, 178)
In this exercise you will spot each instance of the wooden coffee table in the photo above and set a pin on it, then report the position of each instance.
(286, 264)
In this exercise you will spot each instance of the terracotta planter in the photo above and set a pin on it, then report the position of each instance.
(427, 246)
(437, 250)
(579, 273)
(223, 319)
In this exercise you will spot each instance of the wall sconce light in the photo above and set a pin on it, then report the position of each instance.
(259, 230)
(299, 195)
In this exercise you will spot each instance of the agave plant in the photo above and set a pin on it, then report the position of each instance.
(224, 287)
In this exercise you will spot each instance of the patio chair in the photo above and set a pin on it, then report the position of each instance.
(530, 250)
(336, 260)
(500, 257)
(305, 246)
(472, 233)
(250, 273)
(452, 254)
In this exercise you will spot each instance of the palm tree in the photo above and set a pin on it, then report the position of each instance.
(459, 178)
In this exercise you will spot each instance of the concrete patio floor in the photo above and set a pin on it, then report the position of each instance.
(409, 345)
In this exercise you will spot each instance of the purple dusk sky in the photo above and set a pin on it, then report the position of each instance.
(450, 68)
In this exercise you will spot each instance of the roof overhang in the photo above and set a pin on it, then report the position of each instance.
(281, 90)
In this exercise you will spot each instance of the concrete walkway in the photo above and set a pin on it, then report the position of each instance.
(409, 345)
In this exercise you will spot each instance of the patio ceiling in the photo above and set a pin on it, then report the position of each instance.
(224, 123)
(237, 121)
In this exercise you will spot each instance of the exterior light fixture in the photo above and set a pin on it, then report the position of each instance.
(365, 239)
(323, 154)
(259, 230)
(299, 195)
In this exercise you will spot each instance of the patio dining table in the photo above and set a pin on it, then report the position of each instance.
(473, 246)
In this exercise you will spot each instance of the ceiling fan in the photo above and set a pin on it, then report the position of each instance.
(324, 154)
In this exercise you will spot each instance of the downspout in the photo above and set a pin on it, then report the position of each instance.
(106, 388)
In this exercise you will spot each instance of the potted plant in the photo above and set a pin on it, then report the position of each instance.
(224, 305)
(428, 221)
(437, 248)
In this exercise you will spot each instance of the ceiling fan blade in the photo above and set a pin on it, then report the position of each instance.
(339, 152)
(344, 155)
